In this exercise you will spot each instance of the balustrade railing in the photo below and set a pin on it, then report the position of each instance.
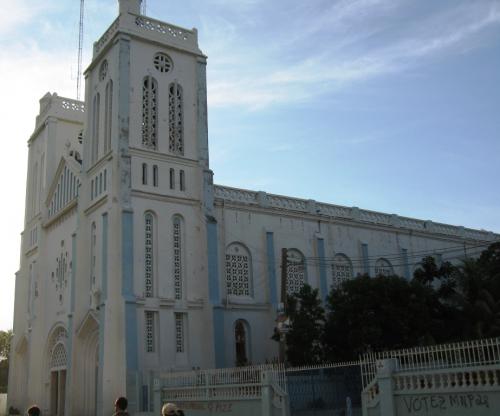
(224, 383)
(478, 353)
(244, 196)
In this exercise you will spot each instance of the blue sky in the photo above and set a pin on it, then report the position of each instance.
(389, 105)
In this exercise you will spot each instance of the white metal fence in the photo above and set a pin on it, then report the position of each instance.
(483, 352)
(223, 383)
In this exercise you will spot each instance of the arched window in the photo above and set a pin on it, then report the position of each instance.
(175, 119)
(295, 273)
(383, 268)
(149, 112)
(177, 256)
(241, 341)
(238, 270)
(108, 115)
(148, 254)
(341, 270)
(95, 127)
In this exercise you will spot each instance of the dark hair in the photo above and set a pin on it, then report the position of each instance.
(34, 411)
(121, 403)
(180, 412)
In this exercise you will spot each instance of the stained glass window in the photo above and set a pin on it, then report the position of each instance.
(177, 252)
(341, 269)
(149, 331)
(383, 268)
(108, 115)
(175, 119)
(148, 255)
(237, 270)
(179, 332)
(149, 113)
(295, 273)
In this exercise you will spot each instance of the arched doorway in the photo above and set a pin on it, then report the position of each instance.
(241, 338)
(58, 363)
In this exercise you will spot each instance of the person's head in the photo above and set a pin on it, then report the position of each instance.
(169, 409)
(121, 403)
(34, 411)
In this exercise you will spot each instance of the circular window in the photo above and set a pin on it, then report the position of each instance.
(103, 71)
(162, 62)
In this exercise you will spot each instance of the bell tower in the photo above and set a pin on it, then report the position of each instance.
(145, 201)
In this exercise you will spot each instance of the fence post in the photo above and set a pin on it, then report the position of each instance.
(266, 393)
(385, 368)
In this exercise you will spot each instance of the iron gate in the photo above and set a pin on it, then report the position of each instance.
(329, 390)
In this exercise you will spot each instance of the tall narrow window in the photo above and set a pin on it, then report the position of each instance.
(108, 116)
(93, 243)
(182, 181)
(148, 255)
(149, 325)
(172, 179)
(144, 174)
(237, 270)
(295, 273)
(179, 333)
(155, 175)
(175, 119)
(177, 254)
(149, 112)
(95, 127)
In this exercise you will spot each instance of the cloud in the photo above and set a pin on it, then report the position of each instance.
(19, 12)
(27, 74)
(259, 78)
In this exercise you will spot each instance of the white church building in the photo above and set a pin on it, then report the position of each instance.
(134, 262)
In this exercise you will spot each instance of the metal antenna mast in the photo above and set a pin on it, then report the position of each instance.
(80, 46)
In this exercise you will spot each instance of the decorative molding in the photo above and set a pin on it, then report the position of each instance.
(283, 203)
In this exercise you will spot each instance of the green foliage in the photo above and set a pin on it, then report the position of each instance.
(440, 304)
(307, 316)
(5, 339)
(379, 313)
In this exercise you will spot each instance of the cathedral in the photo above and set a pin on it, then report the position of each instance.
(133, 262)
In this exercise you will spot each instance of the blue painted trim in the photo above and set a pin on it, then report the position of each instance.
(366, 264)
(131, 339)
(104, 256)
(406, 266)
(214, 292)
(213, 262)
(100, 375)
(271, 269)
(219, 338)
(322, 268)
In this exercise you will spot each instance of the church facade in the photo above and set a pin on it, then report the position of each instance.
(133, 262)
